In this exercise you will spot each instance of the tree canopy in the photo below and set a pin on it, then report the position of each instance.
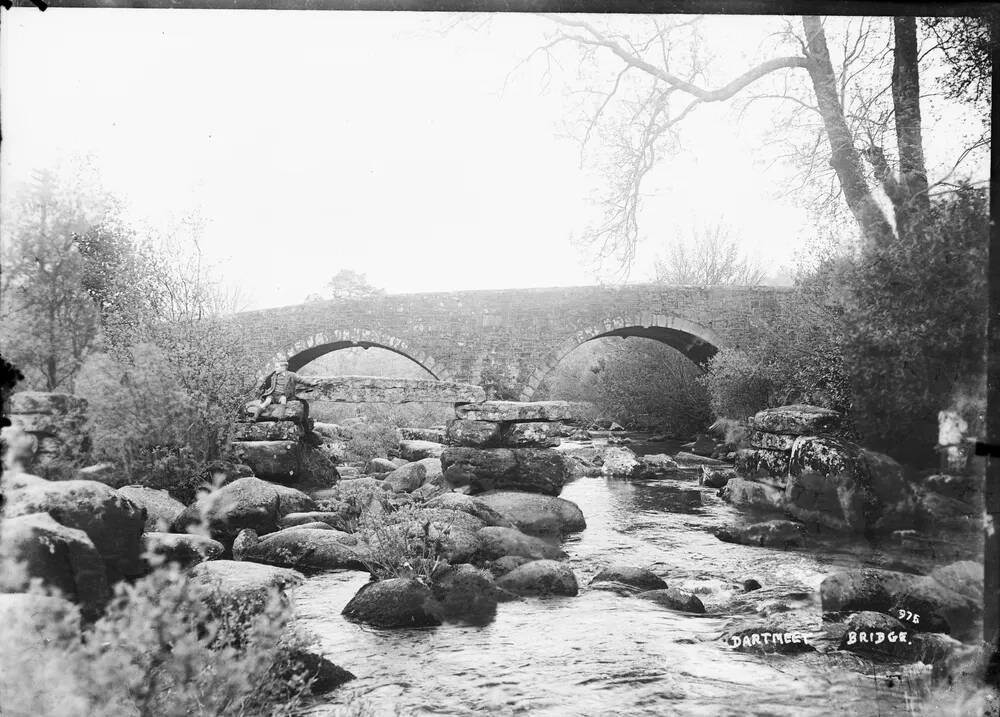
(348, 284)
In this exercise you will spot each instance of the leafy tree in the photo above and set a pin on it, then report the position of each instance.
(48, 319)
(119, 274)
(80, 284)
(965, 42)
(348, 284)
(163, 397)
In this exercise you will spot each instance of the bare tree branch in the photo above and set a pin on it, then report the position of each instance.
(717, 95)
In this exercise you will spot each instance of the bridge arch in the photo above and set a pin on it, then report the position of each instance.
(305, 350)
(699, 343)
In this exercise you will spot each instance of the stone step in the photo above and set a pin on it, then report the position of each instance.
(371, 389)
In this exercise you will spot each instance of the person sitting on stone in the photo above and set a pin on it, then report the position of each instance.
(281, 386)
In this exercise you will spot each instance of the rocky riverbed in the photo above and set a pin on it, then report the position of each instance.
(609, 573)
(605, 651)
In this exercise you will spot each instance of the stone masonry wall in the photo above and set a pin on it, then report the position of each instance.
(455, 334)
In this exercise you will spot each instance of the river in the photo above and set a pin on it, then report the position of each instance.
(601, 653)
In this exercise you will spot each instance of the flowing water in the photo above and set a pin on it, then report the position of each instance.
(601, 653)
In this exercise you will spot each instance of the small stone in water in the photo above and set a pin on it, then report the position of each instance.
(750, 585)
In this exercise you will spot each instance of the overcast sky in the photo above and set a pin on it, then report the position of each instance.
(317, 141)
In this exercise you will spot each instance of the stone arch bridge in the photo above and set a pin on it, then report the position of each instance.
(520, 334)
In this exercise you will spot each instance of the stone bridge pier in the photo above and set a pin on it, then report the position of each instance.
(519, 334)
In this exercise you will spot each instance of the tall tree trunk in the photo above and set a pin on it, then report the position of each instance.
(910, 202)
(845, 158)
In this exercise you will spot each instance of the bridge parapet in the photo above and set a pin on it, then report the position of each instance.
(516, 335)
(371, 389)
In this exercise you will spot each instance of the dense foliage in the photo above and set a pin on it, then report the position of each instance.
(129, 321)
(161, 648)
(892, 335)
(48, 322)
(499, 382)
(404, 544)
(915, 310)
(348, 284)
(152, 421)
(965, 42)
(371, 440)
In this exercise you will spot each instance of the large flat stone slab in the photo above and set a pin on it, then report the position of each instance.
(518, 411)
(477, 434)
(371, 389)
(798, 420)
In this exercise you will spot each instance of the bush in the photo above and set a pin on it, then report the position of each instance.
(738, 384)
(404, 544)
(499, 382)
(144, 422)
(149, 417)
(371, 440)
(800, 359)
(159, 650)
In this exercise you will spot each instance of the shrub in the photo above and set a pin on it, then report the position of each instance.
(142, 418)
(738, 384)
(371, 440)
(799, 360)
(404, 543)
(499, 382)
(159, 650)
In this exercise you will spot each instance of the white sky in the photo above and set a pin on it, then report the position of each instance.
(316, 141)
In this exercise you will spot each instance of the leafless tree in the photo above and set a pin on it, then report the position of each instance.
(709, 257)
(868, 137)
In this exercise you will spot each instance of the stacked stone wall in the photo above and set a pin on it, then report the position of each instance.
(55, 424)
